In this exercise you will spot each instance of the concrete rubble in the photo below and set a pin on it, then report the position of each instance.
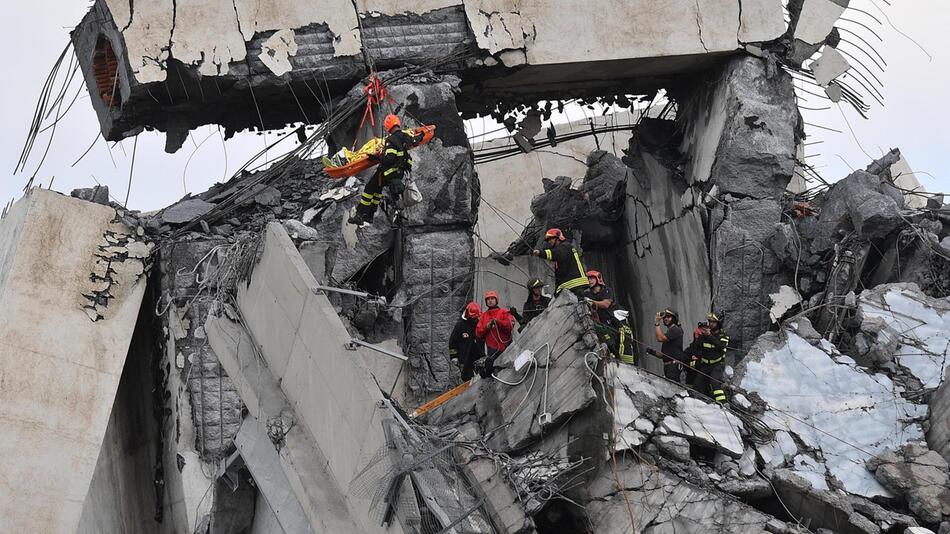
(245, 360)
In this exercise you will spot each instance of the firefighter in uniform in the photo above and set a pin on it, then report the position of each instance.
(623, 349)
(568, 270)
(464, 346)
(394, 163)
(536, 303)
(707, 354)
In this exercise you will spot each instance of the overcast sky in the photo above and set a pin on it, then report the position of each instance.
(915, 117)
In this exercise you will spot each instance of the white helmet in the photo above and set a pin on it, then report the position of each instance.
(621, 315)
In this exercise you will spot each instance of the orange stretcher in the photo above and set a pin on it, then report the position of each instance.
(359, 161)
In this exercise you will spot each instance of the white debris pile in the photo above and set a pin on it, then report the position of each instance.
(838, 410)
(921, 325)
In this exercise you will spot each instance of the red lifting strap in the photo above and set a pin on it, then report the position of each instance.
(375, 93)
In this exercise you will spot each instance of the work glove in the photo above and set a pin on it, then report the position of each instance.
(651, 350)
(397, 187)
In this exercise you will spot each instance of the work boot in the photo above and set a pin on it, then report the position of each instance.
(357, 219)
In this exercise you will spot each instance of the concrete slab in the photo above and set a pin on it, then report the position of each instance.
(333, 395)
(60, 369)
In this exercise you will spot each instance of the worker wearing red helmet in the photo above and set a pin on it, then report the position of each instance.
(600, 296)
(494, 326)
(569, 272)
(394, 163)
(464, 346)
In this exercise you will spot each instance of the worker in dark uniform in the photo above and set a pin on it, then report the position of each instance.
(494, 326)
(600, 296)
(464, 346)
(536, 303)
(707, 354)
(669, 333)
(568, 270)
(394, 163)
(623, 348)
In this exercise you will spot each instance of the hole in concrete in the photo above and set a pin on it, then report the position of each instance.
(105, 68)
(561, 517)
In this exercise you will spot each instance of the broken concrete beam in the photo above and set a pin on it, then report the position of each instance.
(334, 395)
(141, 63)
(62, 354)
(282, 456)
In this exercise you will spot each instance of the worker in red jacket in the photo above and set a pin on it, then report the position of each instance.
(494, 326)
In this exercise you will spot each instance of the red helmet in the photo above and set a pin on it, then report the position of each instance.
(472, 310)
(598, 278)
(391, 121)
(490, 295)
(554, 232)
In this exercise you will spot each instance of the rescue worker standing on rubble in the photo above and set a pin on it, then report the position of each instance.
(671, 344)
(464, 346)
(623, 348)
(568, 270)
(536, 303)
(394, 163)
(707, 354)
(600, 296)
(494, 327)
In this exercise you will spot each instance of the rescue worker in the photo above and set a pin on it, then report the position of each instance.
(464, 346)
(624, 346)
(600, 296)
(568, 270)
(394, 163)
(671, 344)
(706, 354)
(536, 303)
(494, 327)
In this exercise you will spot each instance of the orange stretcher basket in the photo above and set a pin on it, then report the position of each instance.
(359, 161)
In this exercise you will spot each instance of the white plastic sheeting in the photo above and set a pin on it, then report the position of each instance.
(835, 407)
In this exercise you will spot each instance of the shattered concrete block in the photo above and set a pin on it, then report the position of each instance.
(664, 502)
(98, 194)
(917, 326)
(858, 413)
(863, 202)
(708, 424)
(740, 131)
(277, 50)
(817, 18)
(185, 211)
(829, 66)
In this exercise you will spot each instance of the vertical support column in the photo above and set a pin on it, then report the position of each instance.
(437, 264)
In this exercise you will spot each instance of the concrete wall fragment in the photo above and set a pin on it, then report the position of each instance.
(60, 369)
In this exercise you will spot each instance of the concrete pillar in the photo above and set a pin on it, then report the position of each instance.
(740, 136)
(70, 289)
